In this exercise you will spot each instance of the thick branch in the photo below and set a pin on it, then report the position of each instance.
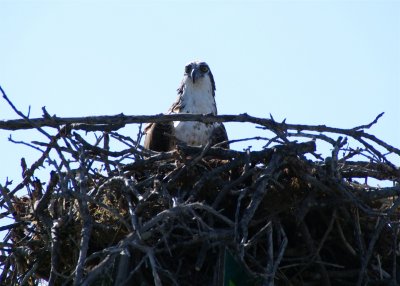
(121, 120)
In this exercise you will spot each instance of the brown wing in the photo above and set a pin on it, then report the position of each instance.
(159, 137)
(178, 104)
(219, 135)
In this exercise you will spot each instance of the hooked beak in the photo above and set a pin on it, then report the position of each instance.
(194, 75)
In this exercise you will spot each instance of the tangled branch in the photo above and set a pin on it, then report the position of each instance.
(127, 216)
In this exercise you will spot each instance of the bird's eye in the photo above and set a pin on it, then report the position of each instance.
(204, 68)
(188, 68)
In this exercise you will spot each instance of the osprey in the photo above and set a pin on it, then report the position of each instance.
(196, 94)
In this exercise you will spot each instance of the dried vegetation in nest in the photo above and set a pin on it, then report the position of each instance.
(288, 215)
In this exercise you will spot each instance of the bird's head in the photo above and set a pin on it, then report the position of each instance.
(198, 73)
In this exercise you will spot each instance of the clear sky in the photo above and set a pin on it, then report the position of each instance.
(311, 62)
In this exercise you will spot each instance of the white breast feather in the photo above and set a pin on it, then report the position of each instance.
(197, 98)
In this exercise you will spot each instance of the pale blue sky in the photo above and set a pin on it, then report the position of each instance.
(312, 62)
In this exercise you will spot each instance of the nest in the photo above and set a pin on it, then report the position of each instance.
(203, 216)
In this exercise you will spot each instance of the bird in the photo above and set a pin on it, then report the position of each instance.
(196, 94)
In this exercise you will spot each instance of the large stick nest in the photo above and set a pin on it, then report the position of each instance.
(287, 214)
